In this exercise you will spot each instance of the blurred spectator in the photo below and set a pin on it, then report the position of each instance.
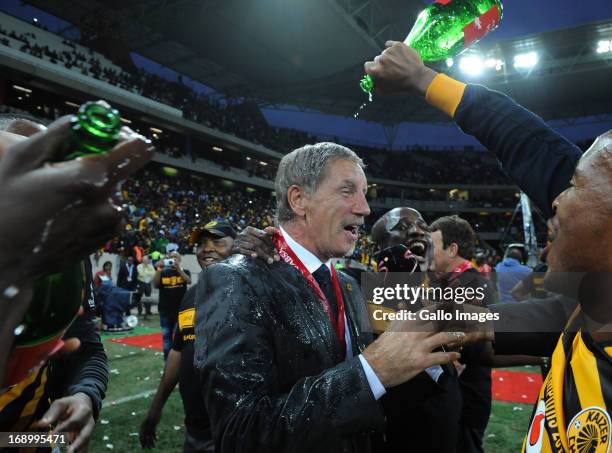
(172, 281)
(509, 272)
(105, 275)
(146, 271)
(127, 277)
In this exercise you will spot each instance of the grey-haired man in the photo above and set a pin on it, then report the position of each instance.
(281, 347)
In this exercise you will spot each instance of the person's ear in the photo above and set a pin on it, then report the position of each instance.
(297, 199)
(453, 250)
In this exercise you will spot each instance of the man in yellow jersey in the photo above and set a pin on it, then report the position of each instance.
(573, 409)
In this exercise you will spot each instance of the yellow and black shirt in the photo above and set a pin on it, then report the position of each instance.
(196, 418)
(172, 288)
(573, 409)
(83, 371)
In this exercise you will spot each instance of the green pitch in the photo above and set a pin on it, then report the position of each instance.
(135, 375)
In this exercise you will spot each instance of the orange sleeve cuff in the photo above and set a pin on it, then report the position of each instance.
(445, 93)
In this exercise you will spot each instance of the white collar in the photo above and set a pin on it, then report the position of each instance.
(308, 258)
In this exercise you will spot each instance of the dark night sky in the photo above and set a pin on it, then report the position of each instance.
(521, 17)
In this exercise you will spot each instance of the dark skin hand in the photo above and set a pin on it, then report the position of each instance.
(54, 213)
(74, 415)
(42, 202)
(256, 243)
(474, 331)
(399, 69)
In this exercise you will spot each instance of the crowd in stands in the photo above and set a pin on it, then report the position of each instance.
(246, 121)
(151, 222)
(160, 209)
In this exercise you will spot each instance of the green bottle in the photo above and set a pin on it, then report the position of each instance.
(95, 130)
(447, 27)
(58, 297)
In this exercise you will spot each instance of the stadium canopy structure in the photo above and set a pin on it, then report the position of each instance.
(310, 54)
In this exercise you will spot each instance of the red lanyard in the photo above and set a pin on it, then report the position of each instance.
(463, 267)
(457, 271)
(289, 257)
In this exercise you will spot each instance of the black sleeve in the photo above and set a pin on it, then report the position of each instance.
(403, 399)
(537, 159)
(252, 408)
(85, 370)
(531, 327)
(177, 339)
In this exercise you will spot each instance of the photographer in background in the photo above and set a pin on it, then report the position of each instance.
(172, 281)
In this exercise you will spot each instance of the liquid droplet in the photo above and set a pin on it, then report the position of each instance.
(359, 110)
(362, 106)
(11, 292)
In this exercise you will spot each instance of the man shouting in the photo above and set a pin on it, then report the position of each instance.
(281, 347)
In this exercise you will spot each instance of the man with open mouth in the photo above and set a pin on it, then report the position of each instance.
(286, 362)
(406, 227)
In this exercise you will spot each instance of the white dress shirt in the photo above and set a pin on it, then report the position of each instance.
(312, 263)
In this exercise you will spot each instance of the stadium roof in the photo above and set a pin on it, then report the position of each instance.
(311, 53)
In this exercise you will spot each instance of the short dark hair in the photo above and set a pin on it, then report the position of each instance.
(515, 253)
(457, 230)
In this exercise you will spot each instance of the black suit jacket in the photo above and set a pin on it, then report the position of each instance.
(122, 277)
(273, 376)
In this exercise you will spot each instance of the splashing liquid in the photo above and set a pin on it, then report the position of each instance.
(362, 106)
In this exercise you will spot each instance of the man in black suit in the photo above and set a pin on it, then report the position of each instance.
(282, 348)
(442, 411)
(127, 277)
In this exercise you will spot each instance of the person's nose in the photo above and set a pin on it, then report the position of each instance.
(361, 206)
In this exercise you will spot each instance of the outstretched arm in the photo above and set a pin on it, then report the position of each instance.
(537, 159)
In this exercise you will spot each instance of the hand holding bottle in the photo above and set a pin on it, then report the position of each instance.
(56, 213)
(447, 27)
(399, 69)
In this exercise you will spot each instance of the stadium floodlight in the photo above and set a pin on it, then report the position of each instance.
(526, 60)
(450, 62)
(494, 63)
(471, 65)
(604, 46)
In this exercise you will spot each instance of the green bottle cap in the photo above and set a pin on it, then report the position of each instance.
(95, 129)
(367, 84)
